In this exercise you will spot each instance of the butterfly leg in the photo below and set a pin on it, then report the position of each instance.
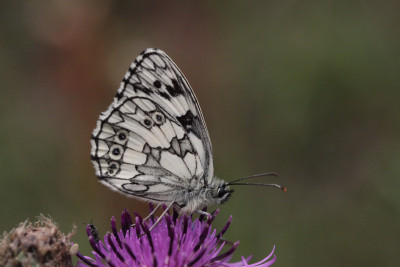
(153, 211)
(204, 213)
(162, 215)
(150, 214)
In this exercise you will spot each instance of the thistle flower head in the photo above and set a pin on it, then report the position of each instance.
(172, 242)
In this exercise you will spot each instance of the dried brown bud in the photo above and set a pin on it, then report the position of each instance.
(36, 244)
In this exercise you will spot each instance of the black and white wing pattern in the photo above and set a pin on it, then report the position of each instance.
(152, 141)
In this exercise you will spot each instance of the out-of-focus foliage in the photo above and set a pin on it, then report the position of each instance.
(309, 89)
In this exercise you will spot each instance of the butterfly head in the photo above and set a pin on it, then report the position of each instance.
(223, 193)
(220, 191)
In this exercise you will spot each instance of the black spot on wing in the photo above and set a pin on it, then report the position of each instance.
(175, 89)
(187, 120)
(119, 95)
(157, 84)
(165, 95)
(191, 123)
(141, 87)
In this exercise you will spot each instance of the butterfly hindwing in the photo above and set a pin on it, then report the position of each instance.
(140, 149)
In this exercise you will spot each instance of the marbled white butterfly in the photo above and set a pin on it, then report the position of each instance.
(152, 142)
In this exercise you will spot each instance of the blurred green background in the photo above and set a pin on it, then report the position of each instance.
(309, 89)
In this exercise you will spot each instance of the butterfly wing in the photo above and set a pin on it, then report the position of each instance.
(152, 141)
(153, 74)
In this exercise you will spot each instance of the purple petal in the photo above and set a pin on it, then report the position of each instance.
(94, 245)
(114, 230)
(202, 237)
(85, 259)
(129, 250)
(226, 254)
(198, 257)
(137, 226)
(185, 224)
(148, 234)
(225, 227)
(112, 245)
(126, 221)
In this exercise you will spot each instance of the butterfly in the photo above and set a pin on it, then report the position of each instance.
(152, 142)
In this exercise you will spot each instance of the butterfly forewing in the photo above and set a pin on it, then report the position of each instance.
(152, 141)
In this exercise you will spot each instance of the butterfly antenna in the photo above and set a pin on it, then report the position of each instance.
(235, 182)
(254, 176)
(281, 187)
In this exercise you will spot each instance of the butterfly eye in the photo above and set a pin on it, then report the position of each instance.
(147, 122)
(116, 152)
(113, 168)
(121, 136)
(158, 118)
(221, 192)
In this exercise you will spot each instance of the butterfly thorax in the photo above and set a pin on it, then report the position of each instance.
(197, 197)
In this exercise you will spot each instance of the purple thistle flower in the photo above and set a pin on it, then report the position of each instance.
(173, 242)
